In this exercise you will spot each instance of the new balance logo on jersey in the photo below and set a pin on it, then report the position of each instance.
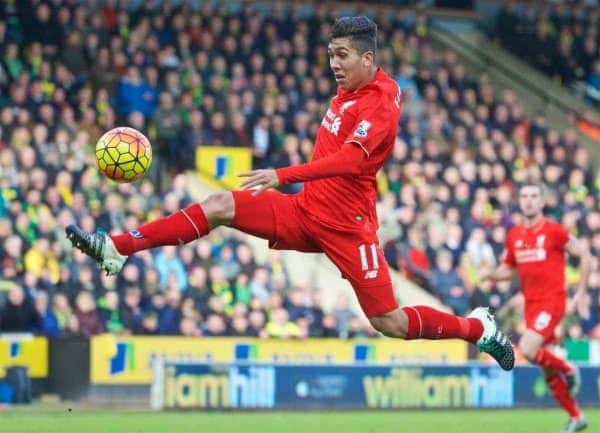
(362, 129)
(371, 275)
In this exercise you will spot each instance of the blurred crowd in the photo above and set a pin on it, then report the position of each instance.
(560, 38)
(252, 76)
(70, 72)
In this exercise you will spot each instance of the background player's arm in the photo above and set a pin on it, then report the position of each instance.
(500, 273)
(346, 161)
(514, 303)
(506, 269)
(578, 249)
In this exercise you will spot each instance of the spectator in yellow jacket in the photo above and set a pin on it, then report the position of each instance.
(280, 326)
(41, 261)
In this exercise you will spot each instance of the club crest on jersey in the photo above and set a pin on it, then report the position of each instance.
(362, 129)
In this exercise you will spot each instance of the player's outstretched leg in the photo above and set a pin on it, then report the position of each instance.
(371, 281)
(110, 252)
(420, 321)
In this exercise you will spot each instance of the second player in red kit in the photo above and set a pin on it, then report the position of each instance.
(334, 213)
(536, 250)
(538, 253)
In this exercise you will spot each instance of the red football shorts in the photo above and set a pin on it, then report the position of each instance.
(544, 316)
(279, 219)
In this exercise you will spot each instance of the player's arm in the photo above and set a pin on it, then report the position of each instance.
(371, 127)
(507, 267)
(578, 249)
(514, 302)
(346, 161)
(500, 273)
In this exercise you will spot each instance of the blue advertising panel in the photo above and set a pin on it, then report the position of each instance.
(259, 386)
(394, 387)
(531, 389)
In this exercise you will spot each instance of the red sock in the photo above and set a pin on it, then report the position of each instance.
(544, 358)
(182, 227)
(426, 322)
(560, 391)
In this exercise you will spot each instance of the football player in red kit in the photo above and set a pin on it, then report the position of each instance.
(536, 250)
(335, 212)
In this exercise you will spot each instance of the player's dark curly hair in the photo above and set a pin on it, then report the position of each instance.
(361, 30)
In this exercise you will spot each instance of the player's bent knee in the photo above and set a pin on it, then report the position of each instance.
(393, 324)
(219, 208)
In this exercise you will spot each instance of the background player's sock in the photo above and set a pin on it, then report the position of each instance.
(429, 323)
(560, 390)
(544, 358)
(182, 227)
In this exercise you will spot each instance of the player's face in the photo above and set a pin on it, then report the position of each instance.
(350, 68)
(531, 201)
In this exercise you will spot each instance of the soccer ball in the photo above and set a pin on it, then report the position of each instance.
(123, 154)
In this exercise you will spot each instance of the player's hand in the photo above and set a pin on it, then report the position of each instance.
(259, 179)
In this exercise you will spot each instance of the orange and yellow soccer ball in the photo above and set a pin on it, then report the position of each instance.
(123, 154)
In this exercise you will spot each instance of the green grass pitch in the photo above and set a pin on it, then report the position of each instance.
(38, 419)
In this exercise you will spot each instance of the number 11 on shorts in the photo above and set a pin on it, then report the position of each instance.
(370, 273)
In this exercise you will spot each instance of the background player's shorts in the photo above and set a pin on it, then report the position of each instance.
(279, 219)
(543, 317)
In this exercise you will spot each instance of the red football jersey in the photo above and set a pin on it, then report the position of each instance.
(538, 252)
(369, 118)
